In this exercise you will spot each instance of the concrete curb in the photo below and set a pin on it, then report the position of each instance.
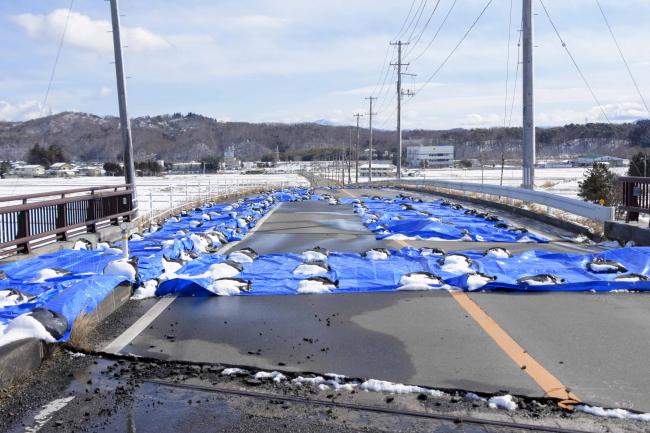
(20, 359)
(625, 232)
(566, 225)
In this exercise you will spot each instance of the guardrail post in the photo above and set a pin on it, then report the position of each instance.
(62, 220)
(23, 231)
(91, 215)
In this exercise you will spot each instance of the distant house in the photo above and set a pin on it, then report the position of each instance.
(379, 169)
(612, 161)
(187, 167)
(29, 170)
(91, 170)
(61, 169)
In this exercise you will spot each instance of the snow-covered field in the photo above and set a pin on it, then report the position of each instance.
(159, 193)
(561, 181)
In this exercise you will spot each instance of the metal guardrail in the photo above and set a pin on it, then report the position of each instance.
(635, 196)
(29, 225)
(566, 204)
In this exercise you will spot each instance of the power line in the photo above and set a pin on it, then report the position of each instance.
(505, 99)
(384, 65)
(56, 59)
(620, 52)
(424, 28)
(514, 87)
(405, 20)
(444, 20)
(460, 42)
(424, 5)
(575, 64)
(408, 27)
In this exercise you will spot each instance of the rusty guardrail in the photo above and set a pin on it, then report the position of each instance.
(38, 220)
(635, 196)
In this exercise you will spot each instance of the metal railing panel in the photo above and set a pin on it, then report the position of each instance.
(566, 204)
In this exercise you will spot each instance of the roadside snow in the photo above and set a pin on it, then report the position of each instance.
(122, 268)
(312, 287)
(147, 290)
(613, 413)
(502, 402)
(233, 371)
(397, 388)
(24, 326)
(276, 376)
(309, 269)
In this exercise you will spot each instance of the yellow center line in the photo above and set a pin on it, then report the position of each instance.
(551, 385)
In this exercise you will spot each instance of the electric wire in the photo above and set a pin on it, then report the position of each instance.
(424, 28)
(417, 22)
(56, 59)
(575, 64)
(453, 51)
(442, 23)
(514, 87)
(405, 20)
(620, 52)
(505, 99)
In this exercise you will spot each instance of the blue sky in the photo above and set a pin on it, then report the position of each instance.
(293, 61)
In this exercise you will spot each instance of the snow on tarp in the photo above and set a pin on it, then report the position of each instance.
(439, 219)
(274, 274)
(55, 288)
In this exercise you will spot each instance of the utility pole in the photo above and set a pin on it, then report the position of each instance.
(349, 155)
(356, 151)
(400, 94)
(370, 113)
(127, 143)
(528, 97)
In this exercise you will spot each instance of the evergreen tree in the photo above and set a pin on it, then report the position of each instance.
(639, 166)
(598, 185)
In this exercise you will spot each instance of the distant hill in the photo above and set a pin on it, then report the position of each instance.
(177, 137)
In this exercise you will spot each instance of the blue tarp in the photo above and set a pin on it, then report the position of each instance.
(273, 274)
(84, 286)
(437, 219)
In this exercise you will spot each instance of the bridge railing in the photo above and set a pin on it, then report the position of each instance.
(635, 198)
(566, 204)
(32, 220)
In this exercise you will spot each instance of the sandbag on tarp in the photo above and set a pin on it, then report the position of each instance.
(82, 297)
(76, 262)
(573, 269)
(403, 217)
(273, 274)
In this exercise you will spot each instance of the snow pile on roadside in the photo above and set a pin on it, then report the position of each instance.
(613, 413)
(147, 290)
(24, 326)
(397, 388)
(276, 376)
(506, 402)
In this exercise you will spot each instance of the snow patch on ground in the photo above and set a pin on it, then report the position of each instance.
(276, 376)
(397, 388)
(222, 270)
(147, 290)
(233, 371)
(613, 413)
(24, 326)
(45, 274)
(502, 402)
(313, 255)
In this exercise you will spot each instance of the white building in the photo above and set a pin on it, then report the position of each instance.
(379, 169)
(187, 167)
(612, 161)
(420, 156)
(62, 169)
(29, 170)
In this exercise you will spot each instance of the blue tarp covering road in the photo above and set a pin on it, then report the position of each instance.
(438, 219)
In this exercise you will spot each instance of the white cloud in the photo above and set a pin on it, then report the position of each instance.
(84, 32)
(259, 22)
(22, 111)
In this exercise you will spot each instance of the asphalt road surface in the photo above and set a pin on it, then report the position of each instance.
(589, 346)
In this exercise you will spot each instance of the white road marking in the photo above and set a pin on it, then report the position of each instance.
(140, 325)
(46, 412)
(143, 322)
